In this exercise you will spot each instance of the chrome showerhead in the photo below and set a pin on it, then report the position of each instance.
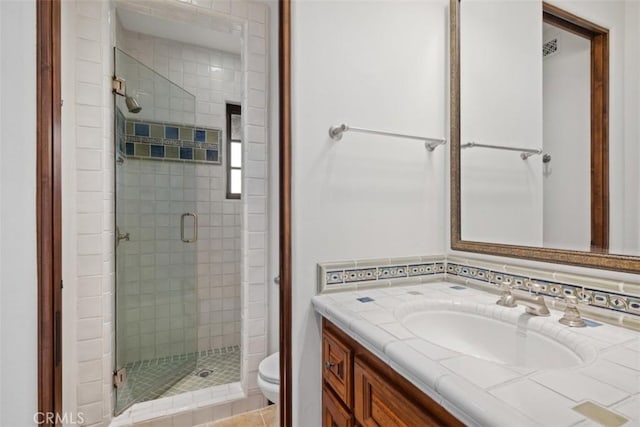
(132, 105)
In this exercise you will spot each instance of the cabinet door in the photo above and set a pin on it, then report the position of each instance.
(378, 403)
(336, 366)
(333, 412)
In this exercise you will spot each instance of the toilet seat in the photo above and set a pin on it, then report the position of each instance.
(269, 369)
(269, 377)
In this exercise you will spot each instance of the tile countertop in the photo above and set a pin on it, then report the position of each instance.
(484, 393)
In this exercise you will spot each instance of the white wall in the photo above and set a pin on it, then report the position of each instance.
(377, 64)
(501, 104)
(18, 280)
(566, 101)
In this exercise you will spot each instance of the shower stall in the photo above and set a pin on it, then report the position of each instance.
(177, 241)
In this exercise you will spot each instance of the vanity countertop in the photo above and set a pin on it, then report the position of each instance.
(481, 392)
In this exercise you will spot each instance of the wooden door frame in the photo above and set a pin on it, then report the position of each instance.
(599, 38)
(48, 206)
(284, 61)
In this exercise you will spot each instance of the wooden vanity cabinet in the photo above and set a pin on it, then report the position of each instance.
(360, 390)
(334, 414)
(337, 363)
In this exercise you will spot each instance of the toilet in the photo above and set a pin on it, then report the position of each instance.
(269, 377)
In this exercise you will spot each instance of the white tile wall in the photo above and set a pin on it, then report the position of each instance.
(92, 30)
(215, 78)
(93, 275)
(156, 298)
(175, 297)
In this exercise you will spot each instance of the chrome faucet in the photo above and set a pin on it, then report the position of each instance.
(534, 304)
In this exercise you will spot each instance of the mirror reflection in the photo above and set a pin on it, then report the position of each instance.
(549, 109)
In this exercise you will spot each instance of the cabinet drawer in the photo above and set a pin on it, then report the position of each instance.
(333, 412)
(378, 403)
(337, 360)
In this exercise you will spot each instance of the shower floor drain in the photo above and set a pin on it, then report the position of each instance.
(203, 373)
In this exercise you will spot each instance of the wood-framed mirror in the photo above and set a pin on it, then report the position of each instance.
(544, 156)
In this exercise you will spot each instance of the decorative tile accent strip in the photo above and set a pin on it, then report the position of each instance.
(360, 275)
(345, 275)
(599, 293)
(595, 293)
(165, 141)
(587, 295)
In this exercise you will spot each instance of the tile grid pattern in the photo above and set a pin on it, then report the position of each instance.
(214, 77)
(170, 376)
(254, 203)
(169, 288)
(587, 295)
(90, 52)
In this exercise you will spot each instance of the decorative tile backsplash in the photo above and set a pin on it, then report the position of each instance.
(163, 141)
(586, 294)
(348, 275)
(599, 293)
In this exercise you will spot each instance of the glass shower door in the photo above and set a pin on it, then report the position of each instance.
(156, 223)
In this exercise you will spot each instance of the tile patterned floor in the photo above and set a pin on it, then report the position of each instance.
(168, 376)
(265, 417)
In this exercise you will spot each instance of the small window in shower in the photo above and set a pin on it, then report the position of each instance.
(234, 151)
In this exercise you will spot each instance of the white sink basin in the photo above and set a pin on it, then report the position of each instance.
(497, 334)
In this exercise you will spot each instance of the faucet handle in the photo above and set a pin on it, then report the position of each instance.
(571, 315)
(506, 298)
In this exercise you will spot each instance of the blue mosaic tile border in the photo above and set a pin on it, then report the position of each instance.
(593, 297)
(166, 141)
(335, 277)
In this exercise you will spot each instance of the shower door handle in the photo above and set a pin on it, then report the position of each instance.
(195, 227)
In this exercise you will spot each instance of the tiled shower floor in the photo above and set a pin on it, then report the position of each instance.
(168, 376)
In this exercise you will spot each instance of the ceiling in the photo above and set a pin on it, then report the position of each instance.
(206, 32)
